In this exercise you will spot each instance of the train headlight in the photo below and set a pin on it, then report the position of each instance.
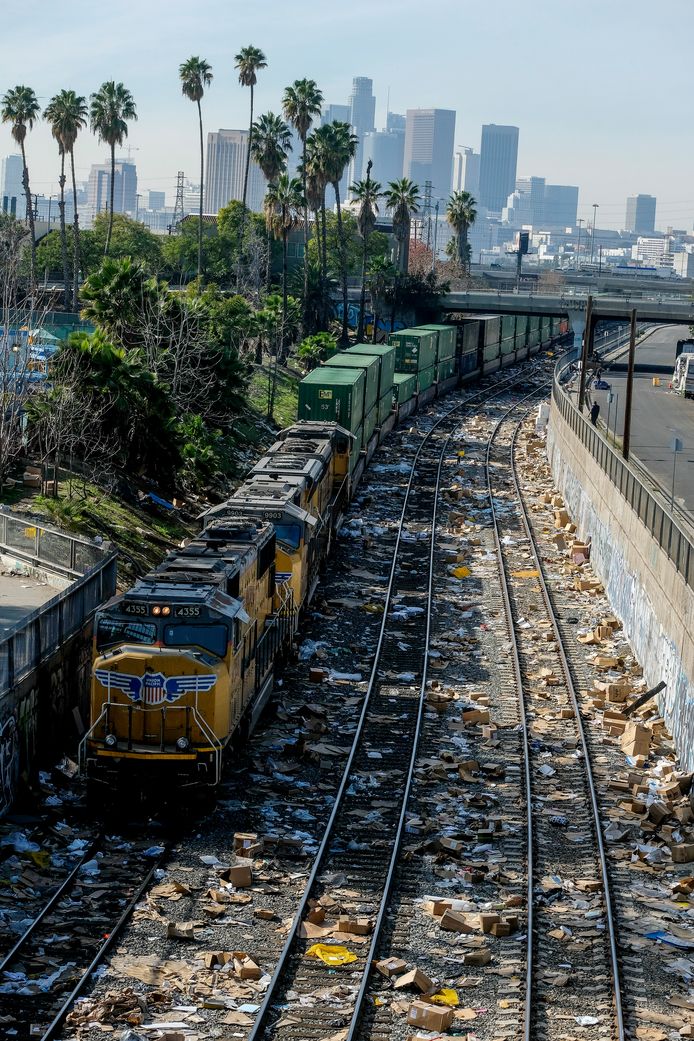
(156, 610)
(183, 744)
(111, 741)
(166, 610)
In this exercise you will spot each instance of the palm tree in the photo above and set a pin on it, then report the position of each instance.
(284, 207)
(366, 193)
(340, 150)
(402, 199)
(272, 140)
(20, 108)
(195, 75)
(110, 109)
(381, 279)
(301, 105)
(461, 215)
(67, 113)
(53, 115)
(316, 183)
(248, 61)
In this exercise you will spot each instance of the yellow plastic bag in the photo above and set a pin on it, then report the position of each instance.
(445, 996)
(526, 573)
(330, 954)
(42, 858)
(461, 572)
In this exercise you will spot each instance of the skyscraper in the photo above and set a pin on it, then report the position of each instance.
(362, 111)
(156, 200)
(124, 187)
(429, 137)
(561, 205)
(341, 113)
(12, 197)
(386, 149)
(498, 162)
(640, 216)
(226, 164)
(466, 171)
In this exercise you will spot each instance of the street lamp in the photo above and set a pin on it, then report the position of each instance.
(579, 221)
(596, 206)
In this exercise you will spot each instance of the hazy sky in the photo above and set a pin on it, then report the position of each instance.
(601, 89)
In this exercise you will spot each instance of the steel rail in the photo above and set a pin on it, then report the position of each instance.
(518, 677)
(260, 1022)
(582, 734)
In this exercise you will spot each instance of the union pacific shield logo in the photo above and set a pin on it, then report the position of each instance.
(154, 688)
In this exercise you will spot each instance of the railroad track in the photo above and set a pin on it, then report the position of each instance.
(373, 795)
(565, 855)
(50, 964)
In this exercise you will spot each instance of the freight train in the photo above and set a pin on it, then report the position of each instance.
(183, 662)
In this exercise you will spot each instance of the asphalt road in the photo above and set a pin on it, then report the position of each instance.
(19, 596)
(658, 415)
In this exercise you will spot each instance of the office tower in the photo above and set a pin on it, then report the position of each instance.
(226, 164)
(362, 112)
(429, 137)
(331, 113)
(124, 187)
(394, 121)
(561, 205)
(12, 197)
(498, 161)
(156, 200)
(466, 171)
(640, 216)
(386, 149)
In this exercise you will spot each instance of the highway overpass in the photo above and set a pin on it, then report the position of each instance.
(657, 308)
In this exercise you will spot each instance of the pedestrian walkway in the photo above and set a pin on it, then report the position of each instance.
(19, 596)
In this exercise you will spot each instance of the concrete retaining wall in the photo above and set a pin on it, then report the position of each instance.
(647, 593)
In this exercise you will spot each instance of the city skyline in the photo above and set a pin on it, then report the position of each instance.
(611, 136)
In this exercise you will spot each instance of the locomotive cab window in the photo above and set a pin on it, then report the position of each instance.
(116, 630)
(211, 637)
(289, 534)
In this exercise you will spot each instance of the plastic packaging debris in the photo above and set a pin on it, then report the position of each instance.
(19, 842)
(445, 996)
(331, 955)
(154, 851)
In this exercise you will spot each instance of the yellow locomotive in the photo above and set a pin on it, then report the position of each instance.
(184, 660)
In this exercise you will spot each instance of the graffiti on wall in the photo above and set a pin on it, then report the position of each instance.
(9, 762)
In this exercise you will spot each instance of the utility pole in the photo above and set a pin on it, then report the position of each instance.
(579, 221)
(592, 237)
(436, 235)
(427, 210)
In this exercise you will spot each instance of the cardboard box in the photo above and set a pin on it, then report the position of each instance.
(636, 740)
(247, 844)
(453, 846)
(356, 926)
(429, 1017)
(683, 852)
(240, 875)
(415, 978)
(657, 812)
(500, 929)
(245, 968)
(482, 956)
(390, 967)
(487, 921)
(454, 922)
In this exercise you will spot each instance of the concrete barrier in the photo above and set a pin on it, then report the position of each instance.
(642, 555)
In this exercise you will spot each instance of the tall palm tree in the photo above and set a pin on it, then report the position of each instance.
(381, 279)
(53, 115)
(341, 147)
(248, 62)
(284, 206)
(196, 74)
(110, 109)
(366, 193)
(301, 104)
(461, 215)
(20, 108)
(402, 199)
(272, 140)
(67, 113)
(316, 183)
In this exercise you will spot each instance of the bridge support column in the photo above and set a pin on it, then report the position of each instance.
(586, 352)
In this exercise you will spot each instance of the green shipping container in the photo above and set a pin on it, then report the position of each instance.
(491, 323)
(415, 349)
(370, 366)
(333, 396)
(370, 424)
(445, 369)
(426, 378)
(471, 336)
(508, 346)
(356, 449)
(508, 326)
(446, 337)
(491, 352)
(404, 387)
(385, 407)
(521, 329)
(386, 354)
(545, 328)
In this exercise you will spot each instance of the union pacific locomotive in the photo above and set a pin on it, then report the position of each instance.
(183, 661)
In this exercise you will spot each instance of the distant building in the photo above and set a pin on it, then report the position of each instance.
(226, 164)
(429, 138)
(561, 205)
(12, 197)
(394, 121)
(498, 163)
(333, 113)
(640, 216)
(466, 171)
(124, 187)
(653, 251)
(386, 149)
(684, 263)
(526, 204)
(156, 200)
(362, 113)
